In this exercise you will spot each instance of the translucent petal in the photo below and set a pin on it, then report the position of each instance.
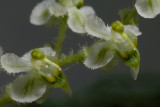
(57, 10)
(120, 43)
(14, 64)
(148, 8)
(27, 88)
(87, 11)
(49, 73)
(99, 55)
(56, 78)
(96, 27)
(40, 14)
(76, 20)
(45, 96)
(48, 51)
(112, 64)
(132, 29)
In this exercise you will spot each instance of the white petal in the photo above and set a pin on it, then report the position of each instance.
(96, 27)
(27, 88)
(100, 55)
(87, 11)
(40, 14)
(148, 8)
(132, 29)
(14, 64)
(76, 20)
(48, 51)
(57, 10)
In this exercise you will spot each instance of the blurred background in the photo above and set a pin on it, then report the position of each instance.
(90, 88)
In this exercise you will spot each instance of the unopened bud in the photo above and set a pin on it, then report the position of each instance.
(37, 54)
(117, 26)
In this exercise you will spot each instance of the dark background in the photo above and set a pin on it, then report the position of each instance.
(18, 36)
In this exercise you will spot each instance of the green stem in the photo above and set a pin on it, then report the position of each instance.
(61, 35)
(76, 58)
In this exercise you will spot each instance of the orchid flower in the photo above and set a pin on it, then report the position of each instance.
(116, 40)
(47, 9)
(148, 8)
(37, 73)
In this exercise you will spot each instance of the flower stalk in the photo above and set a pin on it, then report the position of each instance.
(61, 35)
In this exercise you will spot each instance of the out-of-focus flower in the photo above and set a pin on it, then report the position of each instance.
(148, 8)
(48, 9)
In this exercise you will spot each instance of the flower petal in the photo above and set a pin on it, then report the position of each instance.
(87, 11)
(99, 55)
(148, 8)
(40, 14)
(27, 88)
(132, 29)
(112, 64)
(96, 27)
(57, 10)
(48, 51)
(14, 64)
(76, 20)
(66, 3)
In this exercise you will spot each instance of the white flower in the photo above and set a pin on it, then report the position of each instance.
(37, 73)
(47, 9)
(148, 8)
(43, 11)
(117, 39)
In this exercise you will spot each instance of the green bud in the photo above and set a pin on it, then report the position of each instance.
(117, 26)
(80, 4)
(37, 54)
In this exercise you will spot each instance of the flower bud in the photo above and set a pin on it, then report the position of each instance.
(37, 54)
(117, 26)
(80, 4)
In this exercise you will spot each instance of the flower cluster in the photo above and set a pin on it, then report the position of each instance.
(40, 69)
